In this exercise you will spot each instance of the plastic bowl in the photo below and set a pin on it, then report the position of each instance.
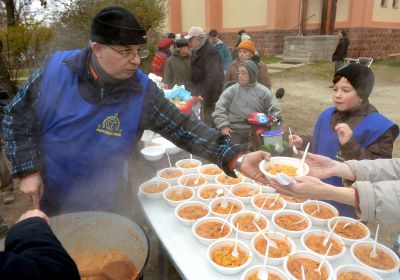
(268, 212)
(275, 236)
(170, 148)
(194, 218)
(245, 191)
(208, 192)
(265, 188)
(292, 202)
(382, 272)
(271, 270)
(246, 179)
(188, 165)
(323, 205)
(348, 241)
(323, 234)
(153, 153)
(307, 255)
(210, 171)
(208, 241)
(228, 181)
(294, 162)
(175, 203)
(153, 189)
(230, 200)
(172, 180)
(188, 180)
(291, 233)
(229, 270)
(248, 234)
(357, 269)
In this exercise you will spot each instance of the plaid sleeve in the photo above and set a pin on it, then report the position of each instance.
(189, 133)
(21, 129)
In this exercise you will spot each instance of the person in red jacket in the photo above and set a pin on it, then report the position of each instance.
(161, 56)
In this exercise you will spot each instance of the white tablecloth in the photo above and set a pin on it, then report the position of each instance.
(189, 256)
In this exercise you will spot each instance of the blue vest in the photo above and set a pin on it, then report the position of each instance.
(326, 142)
(85, 147)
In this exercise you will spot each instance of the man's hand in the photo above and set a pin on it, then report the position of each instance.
(34, 213)
(320, 166)
(296, 141)
(32, 186)
(344, 132)
(226, 130)
(250, 165)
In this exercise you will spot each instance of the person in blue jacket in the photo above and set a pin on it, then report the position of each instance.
(221, 47)
(70, 144)
(353, 129)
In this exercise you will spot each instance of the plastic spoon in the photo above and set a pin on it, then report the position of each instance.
(351, 223)
(323, 260)
(293, 147)
(169, 161)
(257, 216)
(373, 253)
(300, 170)
(226, 219)
(284, 179)
(269, 240)
(272, 205)
(263, 274)
(235, 252)
(326, 240)
(303, 274)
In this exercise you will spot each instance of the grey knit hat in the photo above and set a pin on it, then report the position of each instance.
(252, 68)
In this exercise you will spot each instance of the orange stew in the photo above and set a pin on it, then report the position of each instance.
(292, 199)
(246, 223)
(155, 187)
(353, 275)
(223, 256)
(282, 250)
(211, 192)
(189, 165)
(259, 202)
(352, 231)
(228, 180)
(245, 191)
(288, 222)
(179, 194)
(314, 242)
(192, 212)
(294, 266)
(219, 209)
(212, 230)
(382, 261)
(271, 276)
(212, 170)
(191, 181)
(323, 213)
(170, 174)
(282, 168)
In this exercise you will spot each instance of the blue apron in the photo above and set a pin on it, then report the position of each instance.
(85, 147)
(326, 142)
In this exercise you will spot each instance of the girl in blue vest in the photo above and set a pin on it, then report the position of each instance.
(353, 128)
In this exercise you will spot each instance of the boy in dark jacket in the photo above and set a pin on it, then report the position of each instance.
(341, 50)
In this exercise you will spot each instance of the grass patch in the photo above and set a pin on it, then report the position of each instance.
(395, 62)
(270, 59)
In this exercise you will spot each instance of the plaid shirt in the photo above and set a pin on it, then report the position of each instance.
(22, 137)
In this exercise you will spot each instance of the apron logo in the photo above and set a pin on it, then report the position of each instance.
(339, 156)
(110, 126)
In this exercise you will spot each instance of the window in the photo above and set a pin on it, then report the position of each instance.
(395, 4)
(384, 3)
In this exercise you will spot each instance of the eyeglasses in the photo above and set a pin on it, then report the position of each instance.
(141, 52)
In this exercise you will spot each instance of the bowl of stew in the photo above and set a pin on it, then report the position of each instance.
(319, 217)
(176, 195)
(259, 201)
(209, 229)
(310, 262)
(208, 192)
(355, 231)
(188, 165)
(245, 191)
(170, 174)
(285, 165)
(291, 222)
(189, 212)
(243, 222)
(224, 206)
(252, 273)
(153, 189)
(355, 272)
(194, 181)
(293, 202)
(210, 171)
(228, 181)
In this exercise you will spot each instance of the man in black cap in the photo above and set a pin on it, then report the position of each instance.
(70, 144)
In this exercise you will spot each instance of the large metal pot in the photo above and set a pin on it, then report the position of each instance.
(102, 230)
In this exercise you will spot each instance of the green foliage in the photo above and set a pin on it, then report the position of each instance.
(271, 59)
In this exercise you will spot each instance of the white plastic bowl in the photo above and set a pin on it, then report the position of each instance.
(324, 234)
(291, 233)
(356, 268)
(307, 255)
(348, 241)
(273, 235)
(293, 205)
(295, 162)
(213, 189)
(175, 203)
(319, 221)
(188, 170)
(227, 181)
(265, 188)
(208, 241)
(246, 179)
(170, 148)
(186, 179)
(172, 181)
(153, 153)
(266, 212)
(247, 234)
(382, 272)
(183, 205)
(210, 177)
(229, 270)
(270, 269)
(220, 200)
(252, 188)
(153, 195)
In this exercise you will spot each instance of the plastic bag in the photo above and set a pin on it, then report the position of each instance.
(178, 92)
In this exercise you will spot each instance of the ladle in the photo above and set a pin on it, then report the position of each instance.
(112, 271)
